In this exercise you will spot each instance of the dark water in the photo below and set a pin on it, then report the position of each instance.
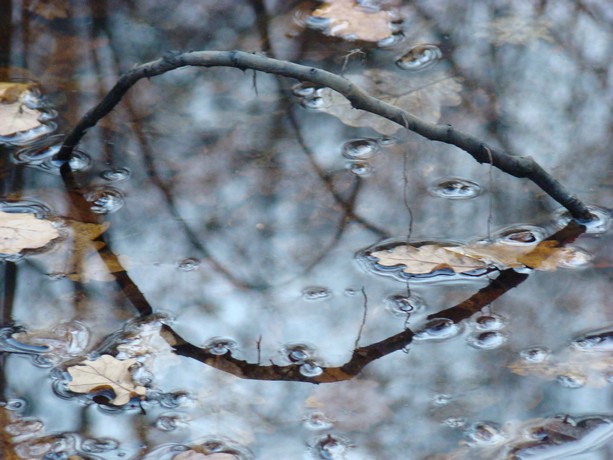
(236, 208)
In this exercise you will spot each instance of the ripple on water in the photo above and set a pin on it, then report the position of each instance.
(42, 155)
(491, 322)
(402, 304)
(330, 447)
(104, 200)
(116, 175)
(601, 223)
(455, 188)
(487, 340)
(420, 57)
(360, 168)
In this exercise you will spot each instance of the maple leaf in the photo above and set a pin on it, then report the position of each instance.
(420, 95)
(349, 20)
(106, 372)
(15, 115)
(19, 231)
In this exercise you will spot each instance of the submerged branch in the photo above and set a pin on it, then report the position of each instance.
(523, 167)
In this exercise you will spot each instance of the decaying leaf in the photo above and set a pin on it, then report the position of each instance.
(19, 231)
(421, 95)
(15, 115)
(428, 258)
(106, 372)
(349, 20)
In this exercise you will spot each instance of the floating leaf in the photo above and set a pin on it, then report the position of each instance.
(106, 372)
(19, 231)
(15, 115)
(420, 95)
(349, 20)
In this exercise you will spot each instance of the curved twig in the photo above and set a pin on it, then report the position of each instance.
(523, 167)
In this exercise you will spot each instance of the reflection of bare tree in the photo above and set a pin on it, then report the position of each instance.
(362, 356)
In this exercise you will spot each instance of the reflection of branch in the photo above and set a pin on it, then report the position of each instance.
(516, 166)
(362, 356)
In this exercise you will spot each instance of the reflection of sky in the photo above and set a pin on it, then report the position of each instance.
(237, 177)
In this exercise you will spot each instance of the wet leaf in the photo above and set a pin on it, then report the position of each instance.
(420, 95)
(427, 258)
(349, 20)
(15, 115)
(19, 231)
(106, 372)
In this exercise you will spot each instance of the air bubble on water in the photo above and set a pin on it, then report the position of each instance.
(491, 322)
(402, 304)
(220, 346)
(351, 292)
(310, 369)
(455, 188)
(535, 355)
(360, 149)
(170, 422)
(441, 399)
(304, 89)
(437, 329)
(317, 421)
(24, 426)
(360, 168)
(298, 352)
(487, 340)
(16, 405)
(330, 447)
(104, 200)
(572, 381)
(601, 340)
(391, 41)
(99, 445)
(484, 433)
(314, 103)
(189, 264)
(455, 422)
(420, 57)
(116, 175)
(316, 293)
(520, 235)
(42, 155)
(601, 222)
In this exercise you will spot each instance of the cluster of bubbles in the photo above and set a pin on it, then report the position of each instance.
(42, 154)
(488, 333)
(104, 200)
(316, 293)
(220, 346)
(303, 355)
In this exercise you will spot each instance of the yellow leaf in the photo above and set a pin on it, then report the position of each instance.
(15, 115)
(106, 372)
(19, 231)
(351, 21)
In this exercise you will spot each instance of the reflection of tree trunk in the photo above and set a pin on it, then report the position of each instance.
(6, 32)
(524, 167)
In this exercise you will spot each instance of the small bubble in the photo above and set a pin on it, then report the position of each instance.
(441, 399)
(310, 369)
(489, 322)
(360, 149)
(298, 352)
(351, 291)
(97, 446)
(595, 341)
(571, 381)
(600, 223)
(304, 89)
(116, 175)
(401, 305)
(317, 421)
(487, 433)
(420, 57)
(535, 355)
(437, 329)
(360, 168)
(104, 200)
(391, 41)
(314, 103)
(455, 422)
(188, 265)
(487, 340)
(17, 405)
(520, 235)
(170, 422)
(220, 346)
(455, 189)
(330, 447)
(316, 293)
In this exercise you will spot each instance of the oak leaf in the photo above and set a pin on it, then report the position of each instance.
(106, 372)
(15, 115)
(349, 20)
(19, 231)
(420, 95)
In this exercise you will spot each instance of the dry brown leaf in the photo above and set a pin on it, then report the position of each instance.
(420, 95)
(19, 231)
(11, 91)
(427, 258)
(15, 115)
(349, 20)
(106, 372)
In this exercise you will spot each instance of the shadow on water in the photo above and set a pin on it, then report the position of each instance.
(222, 238)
